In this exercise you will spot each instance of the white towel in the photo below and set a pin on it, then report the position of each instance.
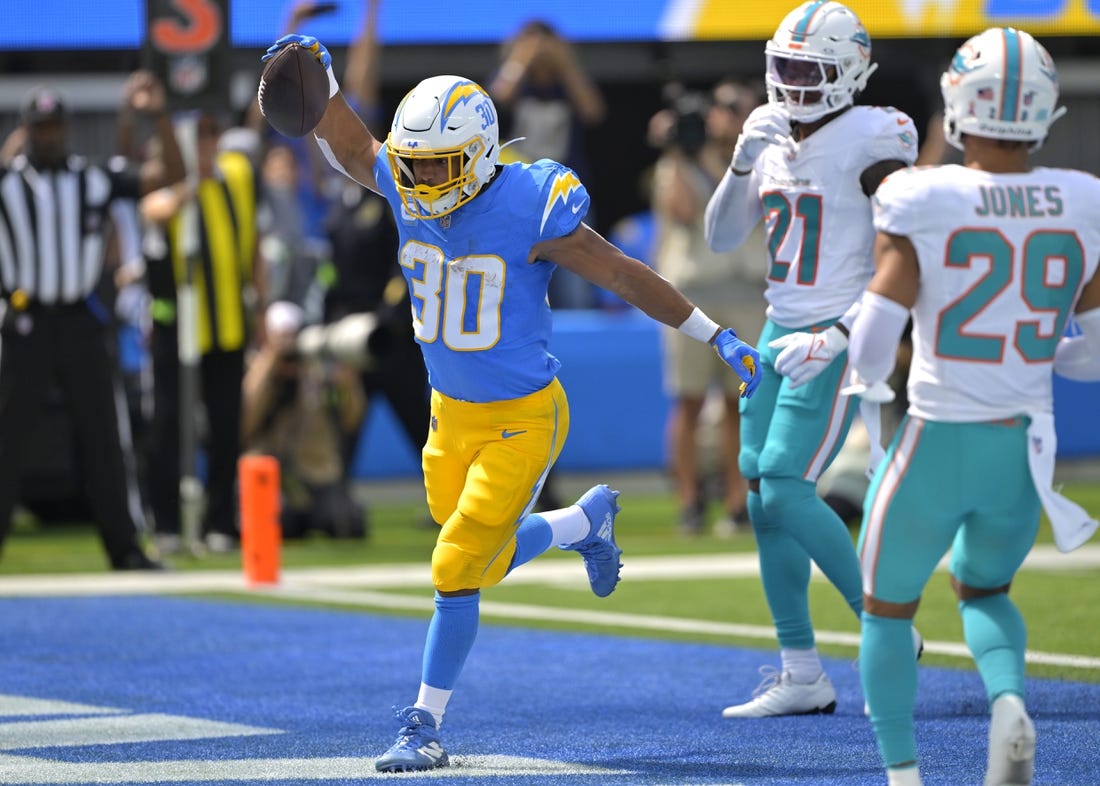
(1071, 524)
(871, 414)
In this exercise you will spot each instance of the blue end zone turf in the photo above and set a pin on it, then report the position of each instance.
(286, 695)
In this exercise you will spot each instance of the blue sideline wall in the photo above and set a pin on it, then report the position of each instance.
(611, 370)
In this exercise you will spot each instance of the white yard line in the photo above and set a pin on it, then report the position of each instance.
(657, 568)
(360, 586)
(486, 769)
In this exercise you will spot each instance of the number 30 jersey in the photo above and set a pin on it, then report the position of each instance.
(1003, 259)
(479, 308)
(818, 219)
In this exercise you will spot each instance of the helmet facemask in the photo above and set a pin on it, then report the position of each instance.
(818, 61)
(459, 186)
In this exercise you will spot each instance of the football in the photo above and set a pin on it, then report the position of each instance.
(293, 91)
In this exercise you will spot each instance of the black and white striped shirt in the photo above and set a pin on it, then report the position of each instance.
(53, 225)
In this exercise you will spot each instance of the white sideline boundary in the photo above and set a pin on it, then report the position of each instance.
(364, 587)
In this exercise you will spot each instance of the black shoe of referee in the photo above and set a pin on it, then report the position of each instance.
(137, 560)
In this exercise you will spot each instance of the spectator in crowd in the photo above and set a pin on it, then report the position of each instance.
(808, 162)
(697, 135)
(300, 410)
(543, 87)
(315, 185)
(478, 244)
(51, 250)
(294, 266)
(971, 466)
(366, 275)
(210, 223)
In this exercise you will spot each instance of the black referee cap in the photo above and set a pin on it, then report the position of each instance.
(41, 104)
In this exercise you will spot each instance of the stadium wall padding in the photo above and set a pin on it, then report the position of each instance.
(611, 370)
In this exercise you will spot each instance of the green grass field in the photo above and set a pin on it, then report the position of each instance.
(1059, 605)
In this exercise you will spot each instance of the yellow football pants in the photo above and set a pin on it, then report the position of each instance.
(484, 467)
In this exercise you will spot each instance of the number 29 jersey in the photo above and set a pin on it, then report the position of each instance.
(479, 307)
(1003, 259)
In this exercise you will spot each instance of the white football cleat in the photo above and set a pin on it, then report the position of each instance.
(777, 695)
(1011, 744)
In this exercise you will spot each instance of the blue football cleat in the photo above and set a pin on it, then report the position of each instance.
(417, 746)
(601, 554)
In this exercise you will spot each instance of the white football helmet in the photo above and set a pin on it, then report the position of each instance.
(818, 60)
(449, 118)
(1001, 84)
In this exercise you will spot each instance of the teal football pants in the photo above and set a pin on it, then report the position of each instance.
(788, 438)
(959, 486)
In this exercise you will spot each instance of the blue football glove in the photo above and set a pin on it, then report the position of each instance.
(313, 45)
(304, 41)
(742, 358)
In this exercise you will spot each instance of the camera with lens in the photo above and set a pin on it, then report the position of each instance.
(356, 339)
(688, 130)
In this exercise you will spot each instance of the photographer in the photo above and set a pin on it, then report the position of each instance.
(696, 134)
(299, 409)
(368, 280)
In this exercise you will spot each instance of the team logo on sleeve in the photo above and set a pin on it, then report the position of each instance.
(565, 183)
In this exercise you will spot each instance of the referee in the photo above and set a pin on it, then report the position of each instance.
(54, 222)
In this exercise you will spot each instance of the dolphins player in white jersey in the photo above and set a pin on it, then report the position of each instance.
(479, 242)
(807, 162)
(990, 258)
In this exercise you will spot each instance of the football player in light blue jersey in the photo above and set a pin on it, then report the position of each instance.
(479, 243)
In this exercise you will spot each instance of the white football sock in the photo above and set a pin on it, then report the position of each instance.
(804, 666)
(567, 524)
(433, 700)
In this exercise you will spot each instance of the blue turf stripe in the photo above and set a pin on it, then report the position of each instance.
(327, 679)
(1010, 96)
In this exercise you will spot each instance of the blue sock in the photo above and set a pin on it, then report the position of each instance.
(795, 507)
(996, 635)
(785, 574)
(533, 537)
(451, 635)
(888, 673)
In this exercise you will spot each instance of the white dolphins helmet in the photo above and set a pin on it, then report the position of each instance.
(818, 60)
(451, 118)
(1001, 84)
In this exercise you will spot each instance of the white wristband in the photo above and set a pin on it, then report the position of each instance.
(333, 85)
(699, 326)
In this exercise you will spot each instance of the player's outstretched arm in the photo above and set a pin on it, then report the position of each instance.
(347, 143)
(586, 253)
